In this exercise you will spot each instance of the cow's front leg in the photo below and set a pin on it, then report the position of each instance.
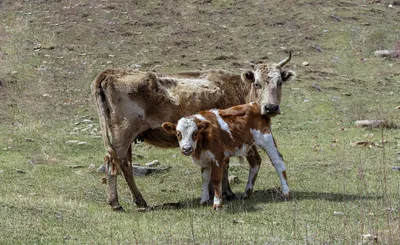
(112, 194)
(267, 143)
(206, 177)
(254, 160)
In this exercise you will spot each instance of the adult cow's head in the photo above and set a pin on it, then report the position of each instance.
(266, 85)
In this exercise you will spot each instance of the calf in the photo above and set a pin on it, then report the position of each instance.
(212, 137)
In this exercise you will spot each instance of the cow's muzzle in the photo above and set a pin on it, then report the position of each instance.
(270, 110)
(187, 150)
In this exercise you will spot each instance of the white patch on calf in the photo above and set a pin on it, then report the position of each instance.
(266, 142)
(222, 124)
(206, 157)
(206, 176)
(200, 117)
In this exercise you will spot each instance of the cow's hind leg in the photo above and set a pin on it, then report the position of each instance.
(112, 193)
(126, 168)
(254, 160)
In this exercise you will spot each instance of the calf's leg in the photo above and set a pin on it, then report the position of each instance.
(206, 177)
(267, 143)
(216, 179)
(226, 188)
(254, 160)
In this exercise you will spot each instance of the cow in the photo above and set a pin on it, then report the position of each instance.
(133, 104)
(212, 137)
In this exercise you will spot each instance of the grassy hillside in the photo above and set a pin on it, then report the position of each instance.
(50, 52)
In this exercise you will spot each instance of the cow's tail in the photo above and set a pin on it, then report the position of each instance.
(104, 113)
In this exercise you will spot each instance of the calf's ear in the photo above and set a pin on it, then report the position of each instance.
(288, 75)
(169, 127)
(247, 76)
(203, 125)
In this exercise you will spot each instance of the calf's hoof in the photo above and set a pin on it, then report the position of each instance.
(246, 195)
(218, 207)
(286, 197)
(230, 196)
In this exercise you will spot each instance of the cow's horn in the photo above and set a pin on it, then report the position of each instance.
(285, 61)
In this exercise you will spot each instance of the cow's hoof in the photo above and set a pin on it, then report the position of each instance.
(286, 197)
(119, 209)
(141, 203)
(230, 197)
(246, 195)
(218, 207)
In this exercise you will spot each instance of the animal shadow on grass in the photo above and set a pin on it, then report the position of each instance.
(272, 195)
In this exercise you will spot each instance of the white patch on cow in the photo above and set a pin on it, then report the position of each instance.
(238, 152)
(217, 201)
(222, 124)
(187, 126)
(200, 117)
(206, 176)
(191, 81)
(252, 174)
(266, 142)
(206, 157)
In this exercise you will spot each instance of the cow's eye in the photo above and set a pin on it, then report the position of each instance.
(178, 134)
(257, 85)
(195, 134)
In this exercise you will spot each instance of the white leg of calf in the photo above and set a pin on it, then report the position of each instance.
(206, 176)
(266, 142)
(253, 172)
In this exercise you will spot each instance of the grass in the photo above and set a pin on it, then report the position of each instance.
(51, 51)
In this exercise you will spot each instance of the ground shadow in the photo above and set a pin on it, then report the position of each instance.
(272, 195)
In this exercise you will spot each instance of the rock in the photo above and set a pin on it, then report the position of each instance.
(142, 171)
(369, 238)
(398, 108)
(336, 213)
(92, 166)
(238, 221)
(385, 53)
(370, 123)
(317, 87)
(153, 163)
(305, 63)
(233, 179)
(72, 141)
(101, 169)
(394, 168)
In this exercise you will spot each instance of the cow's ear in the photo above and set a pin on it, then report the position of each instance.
(169, 127)
(203, 125)
(288, 75)
(248, 76)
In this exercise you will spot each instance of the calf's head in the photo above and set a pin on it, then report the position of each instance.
(187, 131)
(266, 85)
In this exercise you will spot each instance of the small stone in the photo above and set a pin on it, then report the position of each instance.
(29, 140)
(86, 121)
(336, 213)
(238, 221)
(153, 163)
(46, 95)
(175, 156)
(101, 169)
(109, 62)
(305, 63)
(398, 108)
(1, 171)
(390, 6)
(72, 141)
(346, 94)
(92, 166)
(233, 179)
(82, 143)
